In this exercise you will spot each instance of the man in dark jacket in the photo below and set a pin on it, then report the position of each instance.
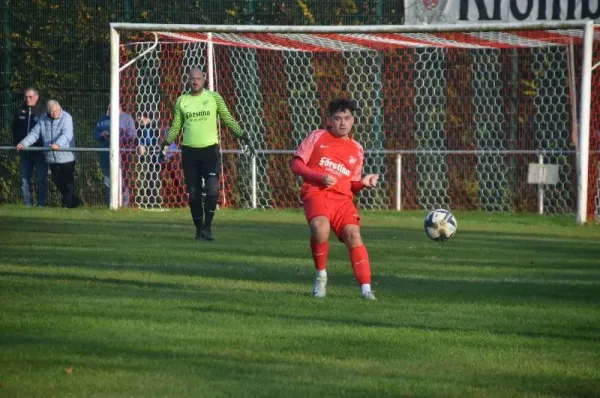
(26, 117)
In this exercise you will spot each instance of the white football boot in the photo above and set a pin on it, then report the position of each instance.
(368, 296)
(320, 288)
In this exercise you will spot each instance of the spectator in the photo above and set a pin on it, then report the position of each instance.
(55, 128)
(127, 140)
(26, 117)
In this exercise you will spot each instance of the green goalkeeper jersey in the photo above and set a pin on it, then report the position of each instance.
(197, 114)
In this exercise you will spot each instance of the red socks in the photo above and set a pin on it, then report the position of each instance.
(319, 253)
(360, 264)
(358, 257)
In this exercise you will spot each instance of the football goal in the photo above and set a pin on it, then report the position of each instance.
(450, 116)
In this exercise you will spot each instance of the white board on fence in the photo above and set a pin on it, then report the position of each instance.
(542, 173)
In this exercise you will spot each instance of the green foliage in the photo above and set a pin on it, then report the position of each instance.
(10, 191)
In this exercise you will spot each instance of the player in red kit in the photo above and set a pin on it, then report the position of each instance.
(330, 163)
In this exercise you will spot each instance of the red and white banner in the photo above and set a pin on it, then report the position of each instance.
(418, 12)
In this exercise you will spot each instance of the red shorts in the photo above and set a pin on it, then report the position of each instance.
(339, 209)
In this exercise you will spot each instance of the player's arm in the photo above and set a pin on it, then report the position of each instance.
(300, 168)
(302, 156)
(309, 175)
(175, 125)
(230, 122)
(173, 132)
(356, 186)
(358, 182)
(368, 181)
(226, 116)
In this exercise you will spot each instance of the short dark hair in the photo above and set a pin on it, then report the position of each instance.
(33, 90)
(340, 105)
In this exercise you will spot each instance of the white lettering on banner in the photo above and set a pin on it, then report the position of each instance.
(330, 164)
(464, 11)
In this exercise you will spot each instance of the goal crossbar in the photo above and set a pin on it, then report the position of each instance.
(149, 27)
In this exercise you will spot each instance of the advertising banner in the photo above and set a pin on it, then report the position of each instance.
(419, 12)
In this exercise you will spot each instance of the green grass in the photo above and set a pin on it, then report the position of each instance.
(102, 304)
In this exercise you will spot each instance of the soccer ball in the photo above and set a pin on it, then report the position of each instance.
(440, 225)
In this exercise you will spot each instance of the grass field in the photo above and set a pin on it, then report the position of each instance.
(101, 304)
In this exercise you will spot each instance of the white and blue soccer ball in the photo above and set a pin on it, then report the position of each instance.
(440, 225)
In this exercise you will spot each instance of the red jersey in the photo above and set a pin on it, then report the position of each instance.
(325, 153)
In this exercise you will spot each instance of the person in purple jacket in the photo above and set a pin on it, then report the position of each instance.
(127, 138)
(55, 128)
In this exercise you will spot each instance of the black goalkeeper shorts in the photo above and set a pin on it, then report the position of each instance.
(200, 163)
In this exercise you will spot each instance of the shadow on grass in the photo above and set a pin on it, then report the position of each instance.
(246, 360)
(263, 373)
(278, 252)
(260, 237)
(433, 296)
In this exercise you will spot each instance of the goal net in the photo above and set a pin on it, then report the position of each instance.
(448, 119)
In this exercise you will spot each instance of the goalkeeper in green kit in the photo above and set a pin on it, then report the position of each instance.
(196, 112)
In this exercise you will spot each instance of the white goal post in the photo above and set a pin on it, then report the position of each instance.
(474, 104)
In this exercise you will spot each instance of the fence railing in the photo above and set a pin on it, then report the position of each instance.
(264, 181)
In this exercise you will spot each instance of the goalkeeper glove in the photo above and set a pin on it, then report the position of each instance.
(162, 154)
(247, 145)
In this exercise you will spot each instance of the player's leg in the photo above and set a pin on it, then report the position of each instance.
(316, 212)
(192, 175)
(319, 241)
(346, 224)
(319, 245)
(211, 170)
(359, 257)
